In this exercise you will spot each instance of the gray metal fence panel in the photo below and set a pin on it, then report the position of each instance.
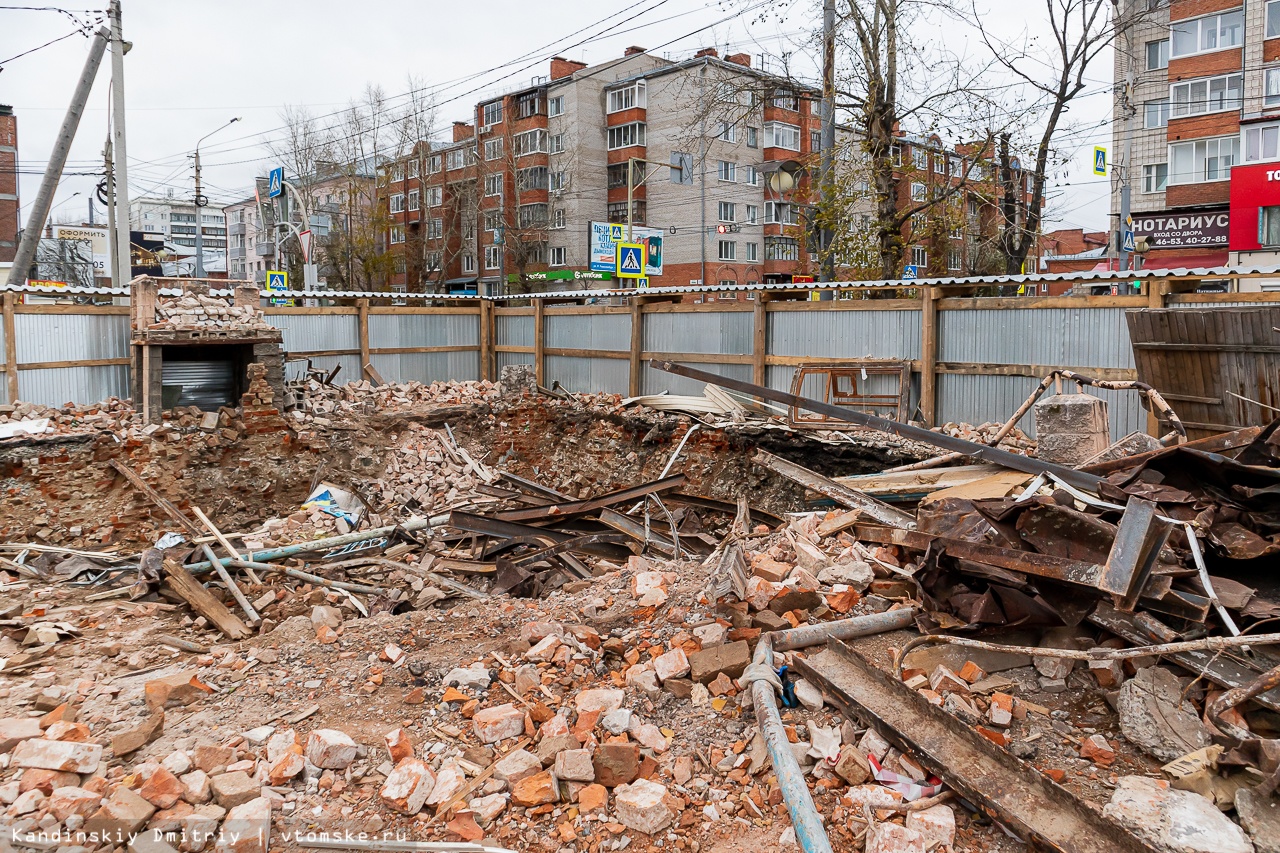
(70, 337)
(505, 358)
(423, 330)
(62, 385)
(588, 331)
(312, 333)
(513, 330)
(1057, 337)
(984, 399)
(428, 366)
(350, 368)
(729, 333)
(583, 375)
(845, 334)
(657, 381)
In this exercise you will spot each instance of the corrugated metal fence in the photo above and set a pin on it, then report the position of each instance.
(988, 354)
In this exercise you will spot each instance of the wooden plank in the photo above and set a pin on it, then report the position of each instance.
(422, 309)
(697, 307)
(929, 336)
(700, 357)
(993, 303)
(362, 329)
(575, 352)
(841, 494)
(204, 602)
(486, 338)
(319, 311)
(845, 305)
(1219, 298)
(408, 350)
(58, 308)
(511, 348)
(913, 483)
(10, 346)
(540, 342)
(635, 351)
(1169, 346)
(1037, 371)
(582, 309)
(759, 339)
(58, 365)
(513, 312)
(798, 360)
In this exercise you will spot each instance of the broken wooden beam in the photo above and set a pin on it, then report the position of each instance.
(873, 508)
(204, 602)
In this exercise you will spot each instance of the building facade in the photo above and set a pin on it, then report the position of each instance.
(175, 221)
(9, 205)
(522, 195)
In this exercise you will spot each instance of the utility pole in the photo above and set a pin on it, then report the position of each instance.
(202, 202)
(116, 281)
(1125, 172)
(26, 252)
(828, 272)
(118, 49)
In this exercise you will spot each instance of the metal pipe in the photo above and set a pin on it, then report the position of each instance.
(221, 569)
(844, 629)
(310, 578)
(323, 544)
(805, 819)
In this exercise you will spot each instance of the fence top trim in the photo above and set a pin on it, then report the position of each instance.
(971, 281)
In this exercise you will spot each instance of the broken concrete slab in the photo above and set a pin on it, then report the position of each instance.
(1174, 821)
(1155, 718)
(57, 755)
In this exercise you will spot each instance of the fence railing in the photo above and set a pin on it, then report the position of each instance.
(973, 359)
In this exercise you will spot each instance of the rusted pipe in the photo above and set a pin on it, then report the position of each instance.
(844, 629)
(1238, 696)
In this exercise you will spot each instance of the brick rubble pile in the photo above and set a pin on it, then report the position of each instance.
(201, 311)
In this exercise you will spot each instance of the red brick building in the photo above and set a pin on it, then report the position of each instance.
(9, 223)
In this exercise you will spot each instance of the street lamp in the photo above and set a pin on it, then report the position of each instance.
(202, 201)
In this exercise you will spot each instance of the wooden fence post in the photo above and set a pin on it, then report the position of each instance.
(540, 341)
(488, 353)
(10, 348)
(362, 331)
(637, 346)
(1156, 290)
(928, 354)
(760, 339)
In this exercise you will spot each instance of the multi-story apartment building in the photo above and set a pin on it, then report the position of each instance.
(1206, 134)
(175, 220)
(524, 192)
(9, 224)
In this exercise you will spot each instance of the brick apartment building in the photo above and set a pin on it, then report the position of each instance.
(8, 184)
(1207, 94)
(523, 190)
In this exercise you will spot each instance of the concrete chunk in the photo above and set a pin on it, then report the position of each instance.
(330, 749)
(498, 723)
(57, 755)
(642, 806)
(408, 786)
(731, 659)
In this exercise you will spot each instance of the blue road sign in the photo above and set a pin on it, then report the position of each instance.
(275, 183)
(630, 260)
(1099, 160)
(277, 280)
(615, 233)
(910, 271)
(1127, 243)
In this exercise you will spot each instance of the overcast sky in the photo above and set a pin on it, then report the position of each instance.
(195, 64)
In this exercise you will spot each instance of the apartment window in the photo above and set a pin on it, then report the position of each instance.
(1208, 95)
(397, 173)
(1203, 160)
(753, 214)
(727, 211)
(750, 175)
(786, 101)
(939, 164)
(559, 181)
(781, 249)
(1260, 143)
(557, 218)
(1269, 225)
(468, 229)
(413, 199)
(617, 211)
(815, 140)
(920, 159)
(919, 192)
(1156, 113)
(435, 196)
(492, 220)
(555, 106)
(492, 257)
(433, 164)
(780, 213)
(556, 145)
(1157, 54)
(435, 229)
(493, 185)
(953, 259)
(957, 167)
(626, 135)
(535, 178)
(557, 256)
(432, 260)
(779, 135)
(529, 104)
(726, 170)
(397, 234)
(753, 137)
(728, 250)
(397, 203)
(895, 154)
(533, 215)
(728, 132)
(468, 262)
(492, 113)
(616, 175)
(1271, 86)
(753, 252)
(627, 98)
(1273, 19)
(1154, 177)
(493, 148)
(531, 142)
(457, 158)
(1212, 32)
(919, 256)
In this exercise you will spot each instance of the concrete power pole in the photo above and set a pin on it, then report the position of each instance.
(828, 272)
(116, 280)
(57, 161)
(201, 201)
(1125, 171)
(121, 172)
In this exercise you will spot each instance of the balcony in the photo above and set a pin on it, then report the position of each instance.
(236, 253)
(264, 250)
(259, 276)
(235, 229)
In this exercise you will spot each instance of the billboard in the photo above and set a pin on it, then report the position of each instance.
(1182, 230)
(605, 237)
(99, 238)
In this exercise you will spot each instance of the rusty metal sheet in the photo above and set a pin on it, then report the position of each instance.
(568, 509)
(1018, 796)
(1138, 541)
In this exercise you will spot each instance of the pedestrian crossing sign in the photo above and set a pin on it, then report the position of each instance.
(630, 260)
(615, 233)
(1099, 160)
(277, 280)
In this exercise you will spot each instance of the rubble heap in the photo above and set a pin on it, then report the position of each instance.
(197, 310)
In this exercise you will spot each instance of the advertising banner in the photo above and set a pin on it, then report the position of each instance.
(1177, 230)
(605, 237)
